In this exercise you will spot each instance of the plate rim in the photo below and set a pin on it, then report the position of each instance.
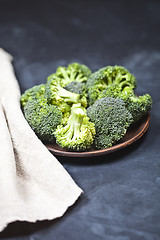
(105, 151)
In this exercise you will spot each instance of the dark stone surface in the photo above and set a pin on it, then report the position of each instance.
(121, 199)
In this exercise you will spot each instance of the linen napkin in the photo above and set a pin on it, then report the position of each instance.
(33, 184)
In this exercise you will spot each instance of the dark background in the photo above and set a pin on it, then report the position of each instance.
(121, 199)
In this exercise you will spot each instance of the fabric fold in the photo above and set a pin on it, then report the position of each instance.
(33, 184)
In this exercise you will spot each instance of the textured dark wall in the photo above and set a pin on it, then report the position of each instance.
(121, 199)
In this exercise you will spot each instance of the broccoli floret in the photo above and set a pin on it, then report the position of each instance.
(111, 119)
(106, 76)
(35, 92)
(79, 72)
(73, 72)
(59, 96)
(112, 90)
(43, 118)
(79, 88)
(78, 133)
(76, 87)
(137, 106)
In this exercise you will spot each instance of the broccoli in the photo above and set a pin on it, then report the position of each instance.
(79, 88)
(78, 133)
(76, 87)
(59, 96)
(35, 92)
(43, 118)
(111, 119)
(58, 110)
(106, 76)
(73, 72)
(137, 106)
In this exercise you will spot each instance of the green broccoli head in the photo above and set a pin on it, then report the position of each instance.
(35, 92)
(76, 87)
(73, 72)
(106, 76)
(112, 90)
(59, 96)
(111, 119)
(43, 118)
(79, 72)
(137, 106)
(79, 88)
(78, 133)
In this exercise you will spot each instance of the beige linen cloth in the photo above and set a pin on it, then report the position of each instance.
(33, 184)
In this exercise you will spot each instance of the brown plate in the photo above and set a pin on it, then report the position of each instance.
(135, 132)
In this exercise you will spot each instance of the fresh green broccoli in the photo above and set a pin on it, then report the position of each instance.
(35, 92)
(76, 87)
(78, 133)
(59, 96)
(106, 76)
(112, 90)
(73, 72)
(43, 118)
(58, 110)
(111, 119)
(79, 88)
(137, 106)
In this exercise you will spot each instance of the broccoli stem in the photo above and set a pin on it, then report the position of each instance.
(128, 90)
(61, 92)
(77, 126)
(122, 81)
(68, 96)
(81, 78)
(69, 130)
(73, 75)
(103, 84)
(65, 75)
(75, 121)
(77, 118)
(109, 81)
